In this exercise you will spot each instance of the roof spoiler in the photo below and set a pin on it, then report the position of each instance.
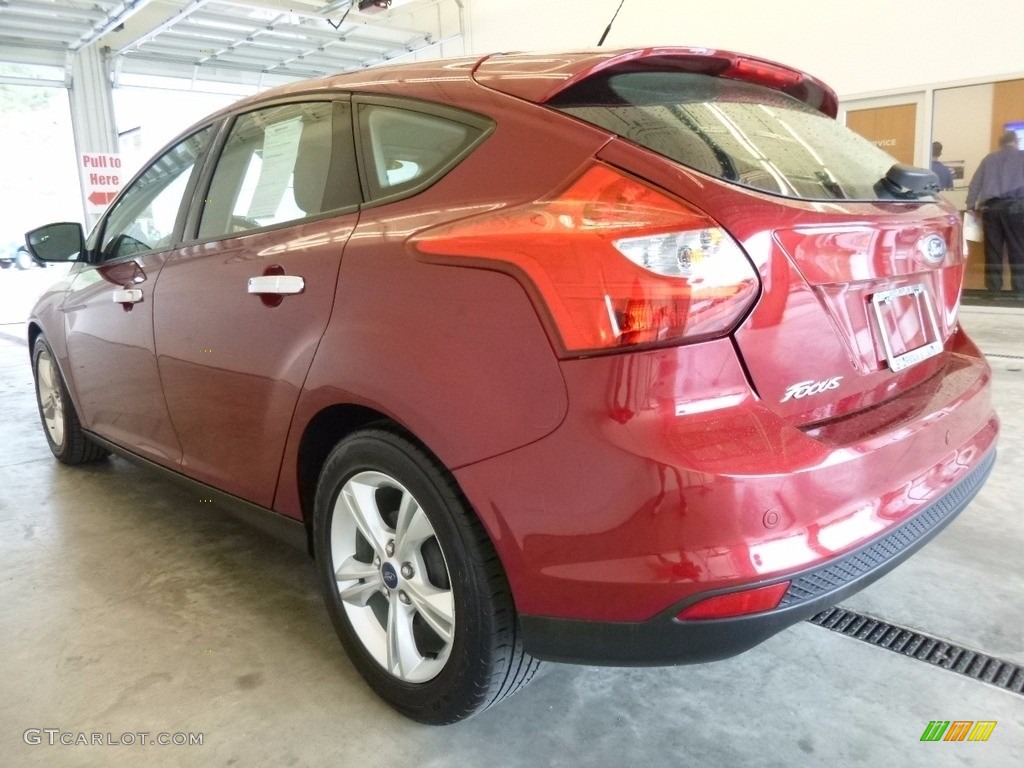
(542, 77)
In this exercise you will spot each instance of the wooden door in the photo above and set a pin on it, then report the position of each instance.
(892, 128)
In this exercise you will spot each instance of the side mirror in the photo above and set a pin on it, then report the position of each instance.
(57, 242)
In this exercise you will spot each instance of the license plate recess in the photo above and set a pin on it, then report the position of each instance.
(907, 325)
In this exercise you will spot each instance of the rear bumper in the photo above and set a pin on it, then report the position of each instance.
(670, 480)
(665, 640)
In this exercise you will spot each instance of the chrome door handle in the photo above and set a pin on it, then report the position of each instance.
(127, 296)
(282, 285)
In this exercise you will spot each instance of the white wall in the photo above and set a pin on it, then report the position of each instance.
(442, 19)
(857, 46)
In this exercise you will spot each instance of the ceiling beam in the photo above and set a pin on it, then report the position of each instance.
(50, 10)
(297, 73)
(182, 13)
(199, 33)
(31, 25)
(362, 23)
(312, 30)
(123, 12)
(28, 36)
(323, 57)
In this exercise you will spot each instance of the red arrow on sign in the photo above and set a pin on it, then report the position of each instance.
(101, 198)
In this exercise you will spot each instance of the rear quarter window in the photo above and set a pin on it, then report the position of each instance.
(404, 150)
(739, 132)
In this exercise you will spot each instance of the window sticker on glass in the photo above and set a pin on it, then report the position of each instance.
(280, 147)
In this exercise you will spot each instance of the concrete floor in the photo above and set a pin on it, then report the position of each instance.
(127, 606)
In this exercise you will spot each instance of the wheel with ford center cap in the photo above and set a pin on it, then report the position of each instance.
(412, 583)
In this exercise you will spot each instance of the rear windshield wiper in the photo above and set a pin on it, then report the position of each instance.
(725, 162)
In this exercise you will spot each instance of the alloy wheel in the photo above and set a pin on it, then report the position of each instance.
(392, 577)
(51, 403)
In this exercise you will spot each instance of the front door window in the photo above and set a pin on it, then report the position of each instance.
(145, 218)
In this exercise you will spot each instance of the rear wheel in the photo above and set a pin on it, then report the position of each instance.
(412, 583)
(63, 431)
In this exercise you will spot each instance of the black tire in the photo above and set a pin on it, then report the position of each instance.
(68, 443)
(485, 662)
(24, 259)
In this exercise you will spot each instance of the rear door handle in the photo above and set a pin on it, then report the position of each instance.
(127, 296)
(282, 285)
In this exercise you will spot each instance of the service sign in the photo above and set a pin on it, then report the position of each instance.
(102, 176)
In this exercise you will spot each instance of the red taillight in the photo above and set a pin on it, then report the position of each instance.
(737, 603)
(615, 261)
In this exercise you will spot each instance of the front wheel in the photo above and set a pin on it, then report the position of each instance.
(64, 434)
(412, 582)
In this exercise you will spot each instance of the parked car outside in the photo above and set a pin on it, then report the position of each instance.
(617, 357)
(15, 254)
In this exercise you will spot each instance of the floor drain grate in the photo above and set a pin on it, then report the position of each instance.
(979, 666)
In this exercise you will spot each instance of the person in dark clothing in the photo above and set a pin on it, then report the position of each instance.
(939, 168)
(997, 190)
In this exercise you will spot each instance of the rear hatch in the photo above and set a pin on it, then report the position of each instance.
(860, 281)
(853, 312)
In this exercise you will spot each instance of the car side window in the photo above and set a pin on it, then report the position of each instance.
(282, 165)
(144, 218)
(404, 149)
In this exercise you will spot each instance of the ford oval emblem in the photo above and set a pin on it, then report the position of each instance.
(932, 249)
(389, 575)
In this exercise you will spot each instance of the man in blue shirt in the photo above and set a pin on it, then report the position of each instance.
(940, 169)
(997, 190)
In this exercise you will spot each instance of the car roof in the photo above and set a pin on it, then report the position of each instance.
(540, 77)
(537, 77)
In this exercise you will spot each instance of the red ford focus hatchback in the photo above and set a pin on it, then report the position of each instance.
(630, 357)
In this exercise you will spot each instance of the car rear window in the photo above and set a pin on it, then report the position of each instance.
(739, 132)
